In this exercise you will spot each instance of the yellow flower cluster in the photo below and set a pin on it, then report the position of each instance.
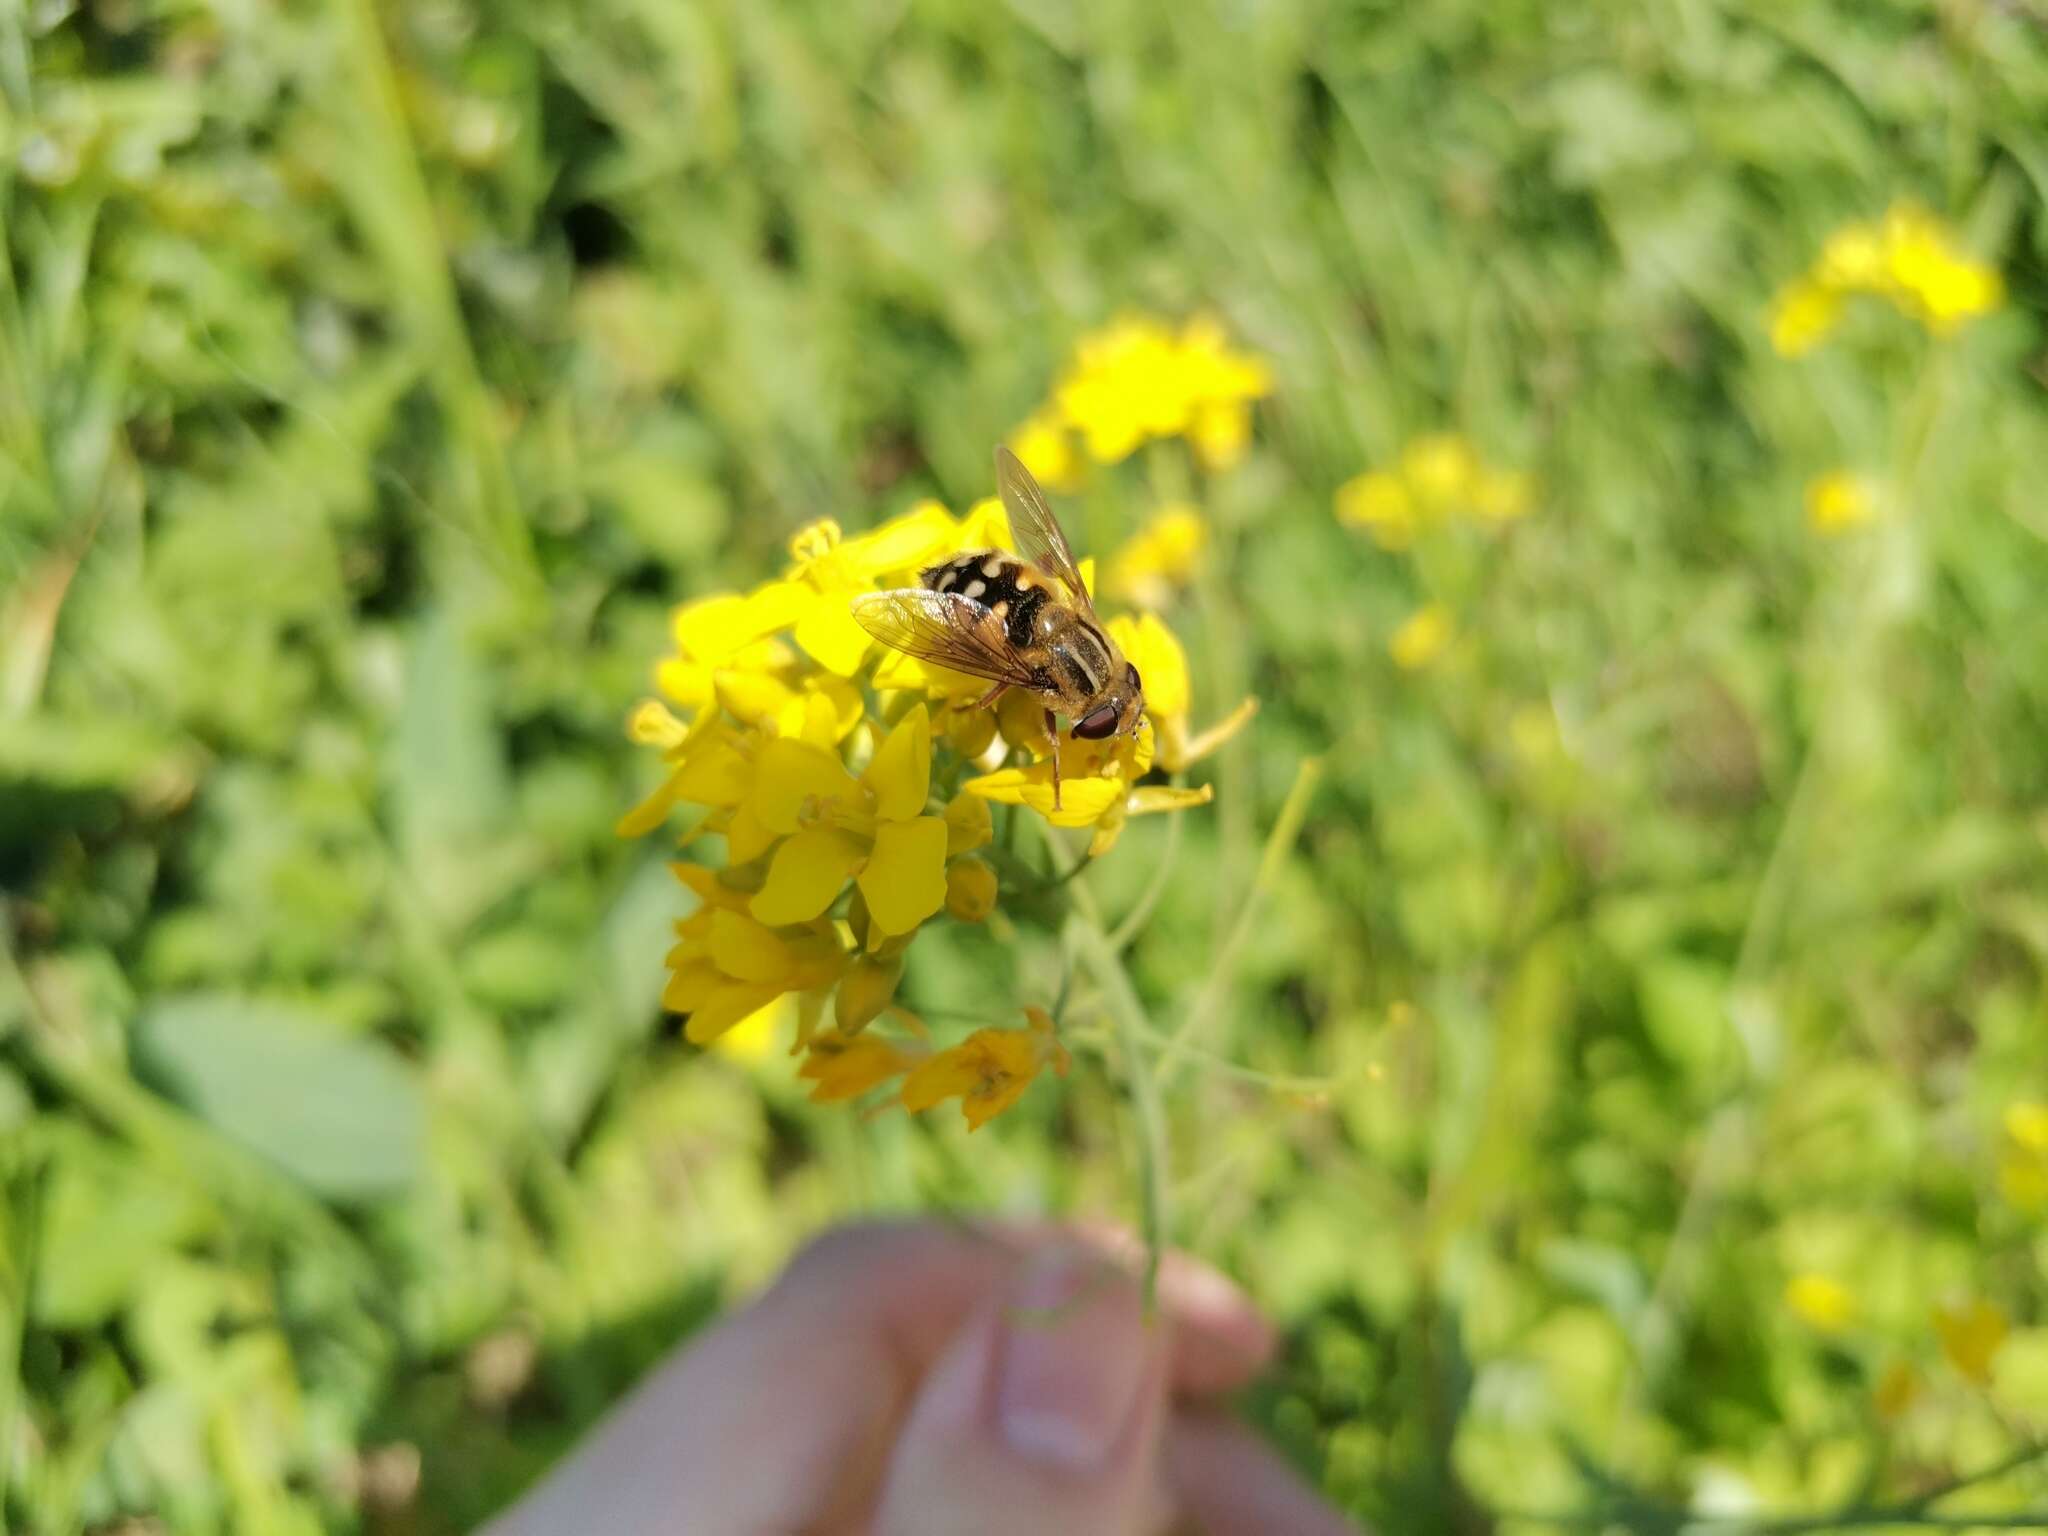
(1159, 558)
(842, 779)
(1438, 477)
(1137, 379)
(1908, 258)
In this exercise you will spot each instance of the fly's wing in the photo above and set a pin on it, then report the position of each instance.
(945, 629)
(1036, 530)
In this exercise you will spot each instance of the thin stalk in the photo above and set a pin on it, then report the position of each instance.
(1092, 948)
(1286, 827)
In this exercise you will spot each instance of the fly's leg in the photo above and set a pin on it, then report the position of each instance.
(992, 695)
(1052, 729)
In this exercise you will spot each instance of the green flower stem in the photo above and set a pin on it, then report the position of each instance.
(1198, 1020)
(1092, 948)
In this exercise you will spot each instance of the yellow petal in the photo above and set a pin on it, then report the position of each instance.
(905, 878)
(714, 771)
(1082, 801)
(986, 526)
(968, 825)
(806, 876)
(689, 984)
(1178, 750)
(1046, 449)
(751, 697)
(652, 811)
(754, 1036)
(915, 539)
(745, 950)
(1162, 665)
(724, 1006)
(828, 633)
(900, 773)
(686, 681)
(970, 890)
(746, 838)
(1151, 799)
(795, 780)
(868, 987)
(1109, 829)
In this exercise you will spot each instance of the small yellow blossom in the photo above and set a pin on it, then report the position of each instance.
(1971, 1333)
(1046, 445)
(1908, 258)
(1838, 501)
(1159, 558)
(1422, 637)
(1822, 1303)
(1378, 502)
(1439, 476)
(988, 1071)
(1135, 380)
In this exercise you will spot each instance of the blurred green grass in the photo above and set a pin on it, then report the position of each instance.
(373, 379)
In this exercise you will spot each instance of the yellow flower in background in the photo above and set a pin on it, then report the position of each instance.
(1908, 258)
(1896, 1391)
(1160, 558)
(1822, 1303)
(1438, 477)
(2023, 1165)
(1837, 502)
(1136, 380)
(1802, 316)
(1046, 446)
(1422, 638)
(1971, 1333)
(850, 788)
(988, 1071)
(1378, 502)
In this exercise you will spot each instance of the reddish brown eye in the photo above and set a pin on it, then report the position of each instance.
(1097, 725)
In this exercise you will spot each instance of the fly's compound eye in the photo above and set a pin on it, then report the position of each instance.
(1131, 677)
(1098, 724)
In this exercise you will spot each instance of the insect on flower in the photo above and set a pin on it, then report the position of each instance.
(1026, 624)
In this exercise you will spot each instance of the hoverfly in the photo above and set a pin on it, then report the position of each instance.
(1019, 623)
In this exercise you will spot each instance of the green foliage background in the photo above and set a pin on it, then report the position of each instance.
(373, 378)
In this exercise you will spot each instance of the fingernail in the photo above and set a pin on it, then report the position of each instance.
(1075, 1353)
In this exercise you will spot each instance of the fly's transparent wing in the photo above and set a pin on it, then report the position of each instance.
(943, 628)
(1036, 530)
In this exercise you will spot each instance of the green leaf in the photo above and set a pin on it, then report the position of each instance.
(340, 1114)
